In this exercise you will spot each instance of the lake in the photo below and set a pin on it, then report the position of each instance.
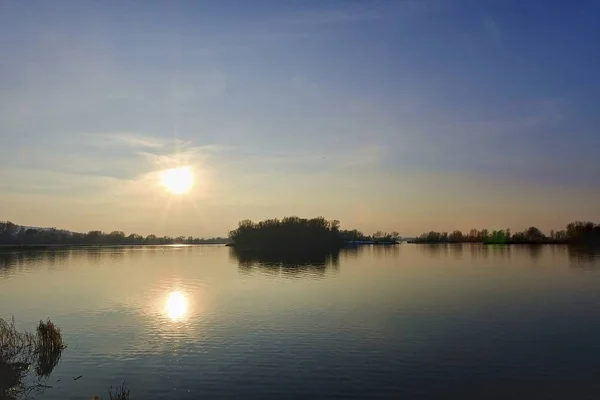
(405, 321)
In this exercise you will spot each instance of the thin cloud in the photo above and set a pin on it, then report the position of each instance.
(140, 141)
(302, 23)
(363, 156)
(492, 29)
(180, 153)
(134, 140)
(353, 12)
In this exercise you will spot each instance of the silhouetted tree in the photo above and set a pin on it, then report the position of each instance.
(354, 236)
(560, 235)
(484, 235)
(385, 237)
(583, 232)
(456, 237)
(531, 235)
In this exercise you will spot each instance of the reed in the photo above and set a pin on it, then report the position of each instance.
(20, 350)
(121, 392)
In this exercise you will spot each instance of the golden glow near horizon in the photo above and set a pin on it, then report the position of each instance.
(176, 306)
(177, 180)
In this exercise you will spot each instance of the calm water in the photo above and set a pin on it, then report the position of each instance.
(409, 321)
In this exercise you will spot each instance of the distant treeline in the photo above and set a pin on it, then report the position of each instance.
(575, 232)
(378, 237)
(298, 233)
(13, 234)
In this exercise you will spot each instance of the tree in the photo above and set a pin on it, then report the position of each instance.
(456, 237)
(484, 235)
(534, 234)
(116, 237)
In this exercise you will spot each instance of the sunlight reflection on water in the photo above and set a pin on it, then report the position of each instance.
(176, 306)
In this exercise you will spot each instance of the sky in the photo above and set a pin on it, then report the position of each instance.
(386, 115)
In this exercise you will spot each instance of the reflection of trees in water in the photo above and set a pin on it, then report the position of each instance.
(499, 251)
(14, 261)
(485, 251)
(433, 249)
(478, 251)
(584, 257)
(456, 250)
(385, 250)
(559, 250)
(286, 263)
(353, 251)
(579, 256)
(531, 251)
(101, 254)
(11, 261)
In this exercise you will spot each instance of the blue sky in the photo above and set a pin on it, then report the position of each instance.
(393, 115)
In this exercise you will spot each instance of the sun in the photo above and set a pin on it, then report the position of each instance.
(177, 180)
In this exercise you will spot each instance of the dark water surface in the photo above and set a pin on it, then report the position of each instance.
(407, 321)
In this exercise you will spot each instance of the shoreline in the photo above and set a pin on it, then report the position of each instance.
(79, 246)
(293, 248)
(500, 243)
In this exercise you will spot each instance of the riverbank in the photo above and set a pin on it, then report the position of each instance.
(575, 233)
(12, 247)
(530, 242)
(511, 242)
(328, 247)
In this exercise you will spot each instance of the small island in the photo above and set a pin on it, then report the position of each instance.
(299, 234)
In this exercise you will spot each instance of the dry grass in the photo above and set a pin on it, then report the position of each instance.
(15, 346)
(19, 350)
(49, 347)
(119, 393)
(49, 337)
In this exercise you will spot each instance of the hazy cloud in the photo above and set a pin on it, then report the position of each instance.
(130, 139)
(492, 29)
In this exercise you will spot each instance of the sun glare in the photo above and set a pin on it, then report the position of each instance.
(177, 180)
(176, 306)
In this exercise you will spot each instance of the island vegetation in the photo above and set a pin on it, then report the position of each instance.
(299, 234)
(578, 232)
(17, 235)
(295, 245)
